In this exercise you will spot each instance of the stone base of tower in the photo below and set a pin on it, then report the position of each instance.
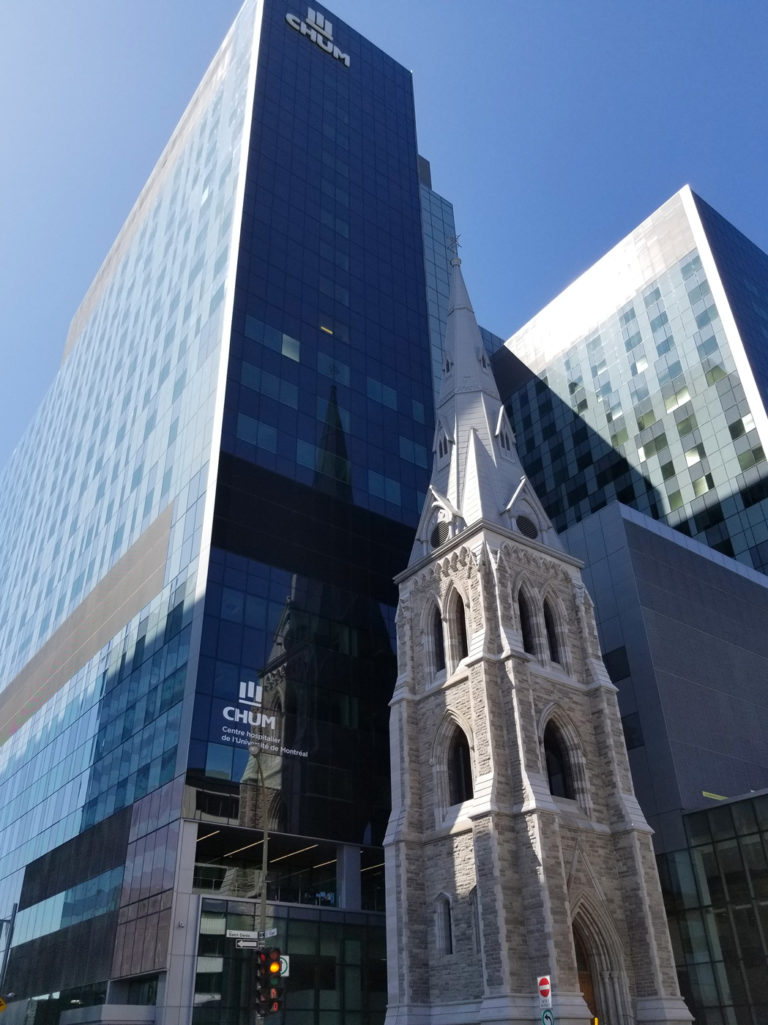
(569, 1009)
(669, 1010)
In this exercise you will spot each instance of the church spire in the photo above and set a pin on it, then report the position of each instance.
(476, 471)
(515, 845)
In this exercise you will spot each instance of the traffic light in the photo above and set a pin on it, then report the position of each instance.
(269, 991)
(275, 984)
(261, 983)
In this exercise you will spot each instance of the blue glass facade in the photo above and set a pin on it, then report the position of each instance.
(244, 413)
(326, 430)
(439, 229)
(649, 386)
(330, 287)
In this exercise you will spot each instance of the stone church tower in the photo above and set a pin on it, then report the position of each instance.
(516, 848)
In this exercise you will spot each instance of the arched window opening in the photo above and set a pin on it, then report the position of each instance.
(457, 628)
(437, 640)
(551, 628)
(558, 764)
(444, 925)
(443, 446)
(459, 769)
(526, 623)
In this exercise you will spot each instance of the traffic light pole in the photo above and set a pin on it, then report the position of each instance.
(264, 851)
(260, 1019)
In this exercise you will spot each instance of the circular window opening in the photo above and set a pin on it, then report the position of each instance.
(526, 527)
(439, 535)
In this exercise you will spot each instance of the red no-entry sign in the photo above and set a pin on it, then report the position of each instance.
(545, 987)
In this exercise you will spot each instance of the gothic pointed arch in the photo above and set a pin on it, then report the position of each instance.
(444, 924)
(527, 618)
(459, 765)
(457, 628)
(443, 442)
(563, 758)
(438, 641)
(504, 434)
(550, 628)
(558, 763)
(554, 630)
(433, 633)
(600, 960)
(452, 755)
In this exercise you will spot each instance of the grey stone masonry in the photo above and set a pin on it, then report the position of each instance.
(516, 848)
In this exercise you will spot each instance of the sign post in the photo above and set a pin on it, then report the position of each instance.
(544, 984)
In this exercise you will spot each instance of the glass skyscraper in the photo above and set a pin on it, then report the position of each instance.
(649, 383)
(717, 909)
(200, 530)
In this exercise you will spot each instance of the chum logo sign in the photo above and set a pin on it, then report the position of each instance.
(241, 721)
(249, 724)
(319, 30)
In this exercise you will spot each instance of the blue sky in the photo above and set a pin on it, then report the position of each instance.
(554, 127)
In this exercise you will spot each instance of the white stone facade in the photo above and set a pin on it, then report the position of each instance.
(516, 848)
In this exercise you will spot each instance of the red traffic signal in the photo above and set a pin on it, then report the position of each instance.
(275, 988)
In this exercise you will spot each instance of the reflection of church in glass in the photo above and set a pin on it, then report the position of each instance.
(318, 730)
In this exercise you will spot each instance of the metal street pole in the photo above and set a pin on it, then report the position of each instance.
(259, 1019)
(264, 851)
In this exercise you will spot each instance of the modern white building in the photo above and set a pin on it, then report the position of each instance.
(651, 383)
